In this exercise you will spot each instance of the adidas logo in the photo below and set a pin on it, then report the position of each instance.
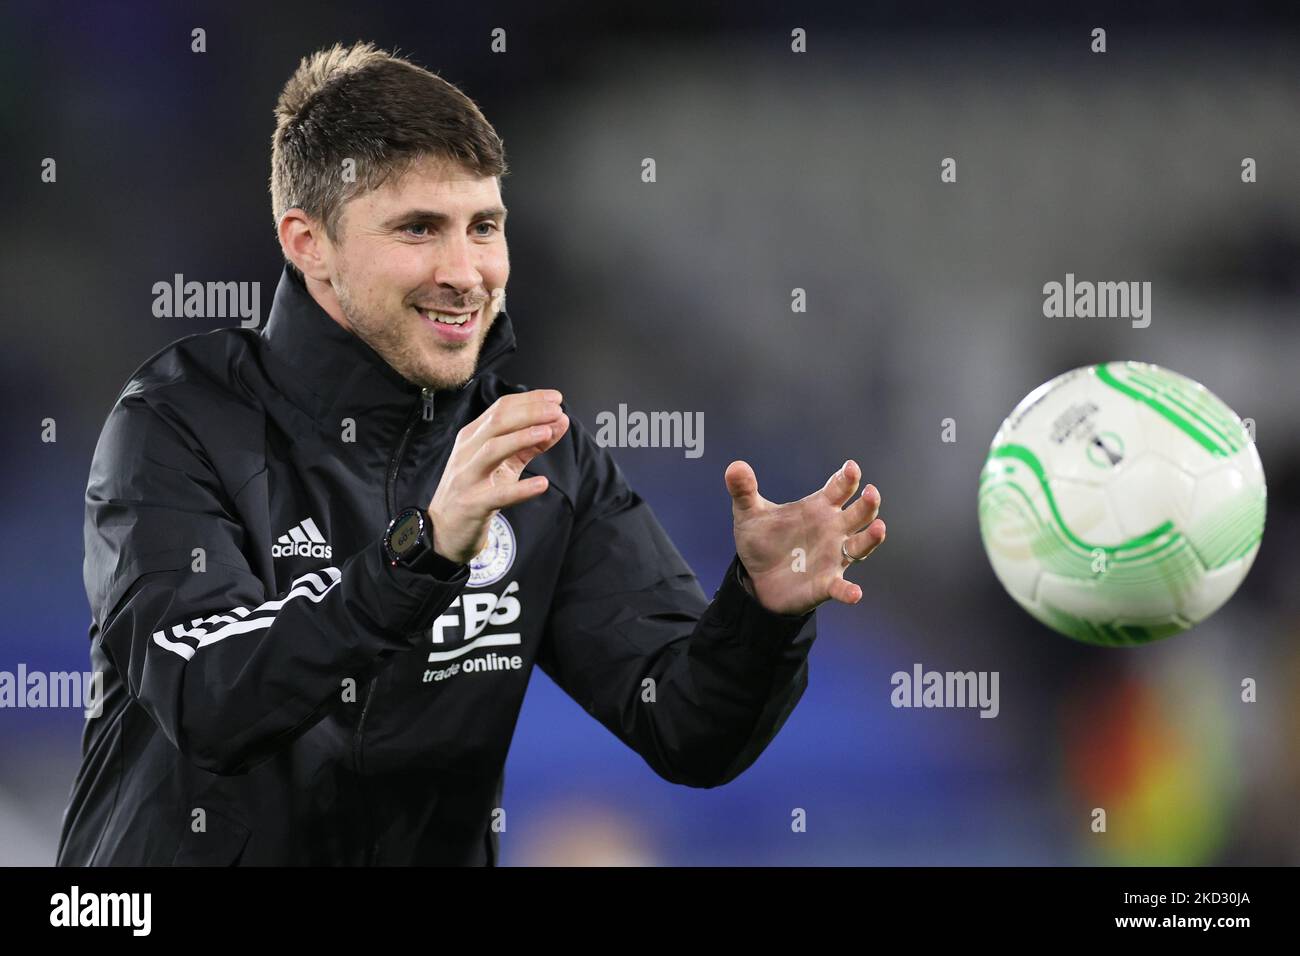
(303, 540)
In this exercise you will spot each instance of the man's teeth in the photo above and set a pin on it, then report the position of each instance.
(447, 318)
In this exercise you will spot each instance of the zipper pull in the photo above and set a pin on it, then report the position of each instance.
(426, 396)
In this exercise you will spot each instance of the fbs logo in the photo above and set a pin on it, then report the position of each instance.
(303, 540)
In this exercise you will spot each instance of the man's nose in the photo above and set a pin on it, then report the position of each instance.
(457, 267)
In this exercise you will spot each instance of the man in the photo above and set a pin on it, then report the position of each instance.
(323, 559)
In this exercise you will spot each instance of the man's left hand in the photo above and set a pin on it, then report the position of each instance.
(792, 551)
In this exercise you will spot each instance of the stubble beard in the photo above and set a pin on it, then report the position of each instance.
(412, 349)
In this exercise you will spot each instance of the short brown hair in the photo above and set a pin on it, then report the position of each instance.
(383, 113)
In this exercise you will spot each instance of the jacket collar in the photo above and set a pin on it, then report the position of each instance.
(330, 372)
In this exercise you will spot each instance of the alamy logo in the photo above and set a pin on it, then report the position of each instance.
(208, 300)
(53, 689)
(75, 908)
(922, 688)
(1103, 300)
(303, 540)
(635, 429)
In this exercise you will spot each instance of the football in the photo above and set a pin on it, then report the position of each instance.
(1121, 503)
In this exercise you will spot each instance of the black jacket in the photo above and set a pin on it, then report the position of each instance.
(276, 693)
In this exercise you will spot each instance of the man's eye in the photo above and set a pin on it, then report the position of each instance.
(417, 225)
(491, 225)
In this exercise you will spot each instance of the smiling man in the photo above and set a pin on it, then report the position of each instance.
(423, 298)
(322, 559)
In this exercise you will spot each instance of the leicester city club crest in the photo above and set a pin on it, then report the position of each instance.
(491, 564)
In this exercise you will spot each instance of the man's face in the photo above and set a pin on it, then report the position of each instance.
(430, 242)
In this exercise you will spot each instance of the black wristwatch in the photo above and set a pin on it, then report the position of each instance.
(409, 542)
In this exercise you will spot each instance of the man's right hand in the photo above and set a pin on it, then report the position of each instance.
(482, 474)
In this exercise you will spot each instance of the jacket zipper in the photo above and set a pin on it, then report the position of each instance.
(425, 411)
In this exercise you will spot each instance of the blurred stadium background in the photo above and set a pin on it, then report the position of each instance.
(775, 171)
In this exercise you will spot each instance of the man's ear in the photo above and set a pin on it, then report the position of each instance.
(305, 244)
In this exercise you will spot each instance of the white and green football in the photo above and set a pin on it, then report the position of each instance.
(1121, 503)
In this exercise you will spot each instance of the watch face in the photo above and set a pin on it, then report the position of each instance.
(406, 532)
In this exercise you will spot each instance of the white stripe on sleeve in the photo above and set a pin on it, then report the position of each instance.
(241, 620)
